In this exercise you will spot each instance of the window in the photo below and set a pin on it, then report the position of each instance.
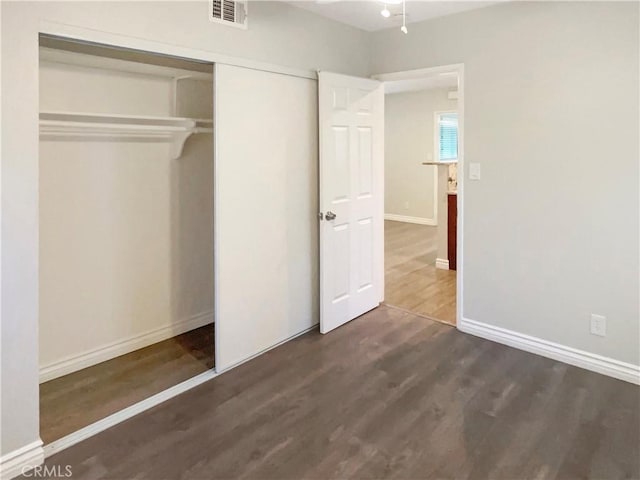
(447, 136)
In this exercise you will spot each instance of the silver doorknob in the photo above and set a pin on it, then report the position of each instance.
(330, 215)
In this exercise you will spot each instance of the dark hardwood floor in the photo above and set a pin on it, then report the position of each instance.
(389, 395)
(76, 400)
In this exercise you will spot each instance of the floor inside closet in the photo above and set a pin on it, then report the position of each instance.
(76, 400)
(412, 281)
(388, 395)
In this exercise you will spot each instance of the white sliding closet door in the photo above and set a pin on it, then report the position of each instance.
(265, 210)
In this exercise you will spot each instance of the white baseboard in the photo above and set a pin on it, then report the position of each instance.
(77, 362)
(442, 264)
(589, 361)
(407, 219)
(19, 461)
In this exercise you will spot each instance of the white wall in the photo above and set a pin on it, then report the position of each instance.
(320, 43)
(551, 113)
(74, 88)
(409, 141)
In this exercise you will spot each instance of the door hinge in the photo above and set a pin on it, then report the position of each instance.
(320, 216)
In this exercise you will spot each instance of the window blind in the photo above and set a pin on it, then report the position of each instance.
(448, 133)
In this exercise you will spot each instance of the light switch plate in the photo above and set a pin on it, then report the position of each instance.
(474, 171)
(598, 325)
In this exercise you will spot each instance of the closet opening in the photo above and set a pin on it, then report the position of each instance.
(126, 229)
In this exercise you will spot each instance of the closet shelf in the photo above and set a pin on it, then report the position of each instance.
(174, 130)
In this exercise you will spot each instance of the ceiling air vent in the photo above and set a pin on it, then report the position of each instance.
(229, 12)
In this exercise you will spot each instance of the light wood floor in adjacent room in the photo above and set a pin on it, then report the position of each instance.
(388, 395)
(412, 281)
(76, 400)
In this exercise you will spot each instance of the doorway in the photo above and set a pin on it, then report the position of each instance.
(422, 152)
(126, 230)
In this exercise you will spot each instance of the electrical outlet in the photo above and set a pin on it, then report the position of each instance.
(598, 325)
(406, 205)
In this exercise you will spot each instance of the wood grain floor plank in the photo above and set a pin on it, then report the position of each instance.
(412, 282)
(389, 395)
(76, 400)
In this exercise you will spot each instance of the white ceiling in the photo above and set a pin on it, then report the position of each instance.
(442, 80)
(366, 14)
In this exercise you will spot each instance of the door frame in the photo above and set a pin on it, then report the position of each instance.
(81, 35)
(458, 68)
(115, 40)
(26, 126)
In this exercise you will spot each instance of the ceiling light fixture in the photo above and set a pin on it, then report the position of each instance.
(403, 28)
(385, 12)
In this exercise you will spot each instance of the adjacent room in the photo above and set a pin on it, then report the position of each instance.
(247, 239)
(421, 155)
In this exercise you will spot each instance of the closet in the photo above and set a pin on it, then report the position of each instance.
(126, 229)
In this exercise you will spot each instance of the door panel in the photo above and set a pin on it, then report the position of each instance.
(266, 205)
(351, 188)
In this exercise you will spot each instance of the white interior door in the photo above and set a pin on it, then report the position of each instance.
(351, 112)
